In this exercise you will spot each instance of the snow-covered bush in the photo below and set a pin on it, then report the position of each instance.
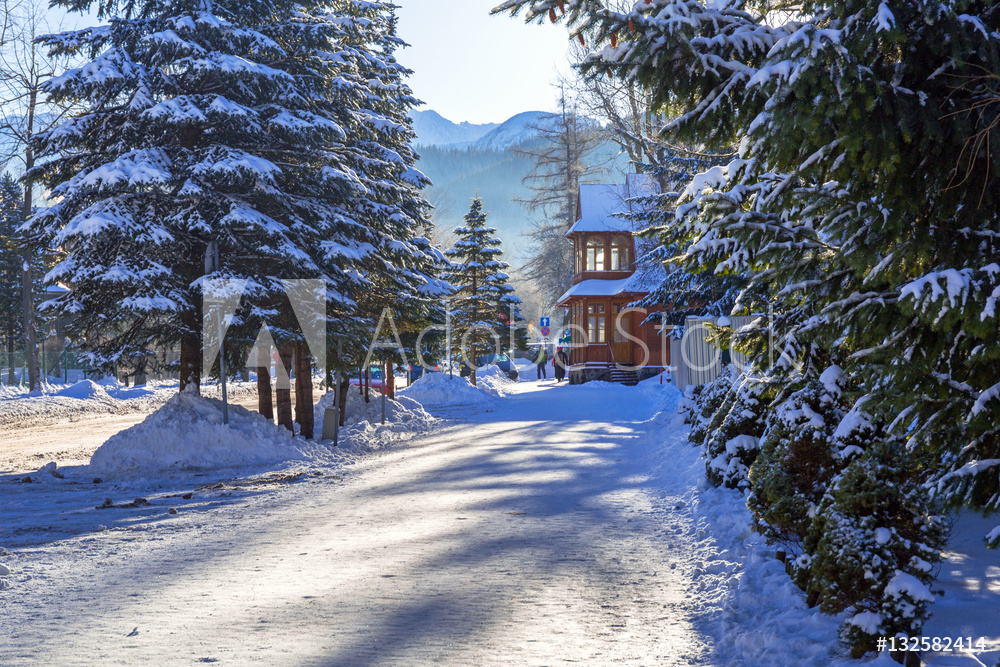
(873, 543)
(797, 460)
(707, 404)
(731, 446)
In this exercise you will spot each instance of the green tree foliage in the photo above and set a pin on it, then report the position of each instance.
(874, 542)
(278, 129)
(485, 312)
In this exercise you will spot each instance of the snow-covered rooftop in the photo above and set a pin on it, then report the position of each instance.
(641, 282)
(602, 205)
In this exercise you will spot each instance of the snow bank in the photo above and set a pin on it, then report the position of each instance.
(19, 407)
(363, 428)
(187, 432)
(433, 389)
(402, 410)
(85, 390)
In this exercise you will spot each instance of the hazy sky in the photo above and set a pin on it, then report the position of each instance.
(471, 66)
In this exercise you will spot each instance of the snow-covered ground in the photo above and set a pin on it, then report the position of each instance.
(538, 524)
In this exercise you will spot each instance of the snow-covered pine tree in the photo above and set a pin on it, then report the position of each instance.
(873, 546)
(733, 436)
(484, 308)
(11, 320)
(797, 461)
(257, 125)
(402, 275)
(862, 205)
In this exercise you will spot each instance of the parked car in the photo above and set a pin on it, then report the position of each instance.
(416, 371)
(502, 361)
(375, 378)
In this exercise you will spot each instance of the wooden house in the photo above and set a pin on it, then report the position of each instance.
(610, 341)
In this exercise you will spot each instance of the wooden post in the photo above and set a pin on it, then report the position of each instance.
(283, 392)
(304, 392)
(265, 401)
(345, 385)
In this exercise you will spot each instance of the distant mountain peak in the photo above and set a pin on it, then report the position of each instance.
(433, 129)
(516, 130)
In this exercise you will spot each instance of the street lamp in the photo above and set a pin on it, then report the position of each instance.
(211, 266)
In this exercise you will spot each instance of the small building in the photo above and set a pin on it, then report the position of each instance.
(610, 340)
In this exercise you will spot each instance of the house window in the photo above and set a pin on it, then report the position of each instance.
(622, 326)
(595, 323)
(595, 254)
(619, 254)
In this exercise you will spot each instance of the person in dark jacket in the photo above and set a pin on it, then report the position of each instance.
(560, 363)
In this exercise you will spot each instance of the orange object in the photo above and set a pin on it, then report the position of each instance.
(552, 15)
(562, 6)
(579, 36)
(614, 39)
(631, 26)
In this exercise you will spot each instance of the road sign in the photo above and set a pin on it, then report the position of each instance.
(543, 322)
(545, 331)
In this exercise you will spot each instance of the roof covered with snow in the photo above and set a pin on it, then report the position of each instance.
(603, 205)
(642, 281)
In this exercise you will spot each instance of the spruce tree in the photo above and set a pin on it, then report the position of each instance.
(484, 310)
(264, 126)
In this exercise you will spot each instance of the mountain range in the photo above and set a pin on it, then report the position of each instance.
(435, 130)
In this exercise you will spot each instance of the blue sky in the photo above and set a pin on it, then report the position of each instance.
(471, 66)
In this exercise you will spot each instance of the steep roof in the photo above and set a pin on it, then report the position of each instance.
(601, 205)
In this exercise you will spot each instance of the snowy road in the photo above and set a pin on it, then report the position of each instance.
(532, 534)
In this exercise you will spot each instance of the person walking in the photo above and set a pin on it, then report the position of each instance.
(540, 362)
(560, 363)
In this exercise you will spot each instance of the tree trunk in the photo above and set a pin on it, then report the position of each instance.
(368, 384)
(265, 401)
(304, 392)
(345, 385)
(190, 361)
(10, 356)
(27, 300)
(284, 388)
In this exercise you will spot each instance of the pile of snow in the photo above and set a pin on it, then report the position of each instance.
(85, 390)
(435, 389)
(363, 428)
(493, 381)
(400, 410)
(187, 432)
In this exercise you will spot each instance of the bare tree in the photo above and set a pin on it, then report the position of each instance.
(563, 159)
(23, 68)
